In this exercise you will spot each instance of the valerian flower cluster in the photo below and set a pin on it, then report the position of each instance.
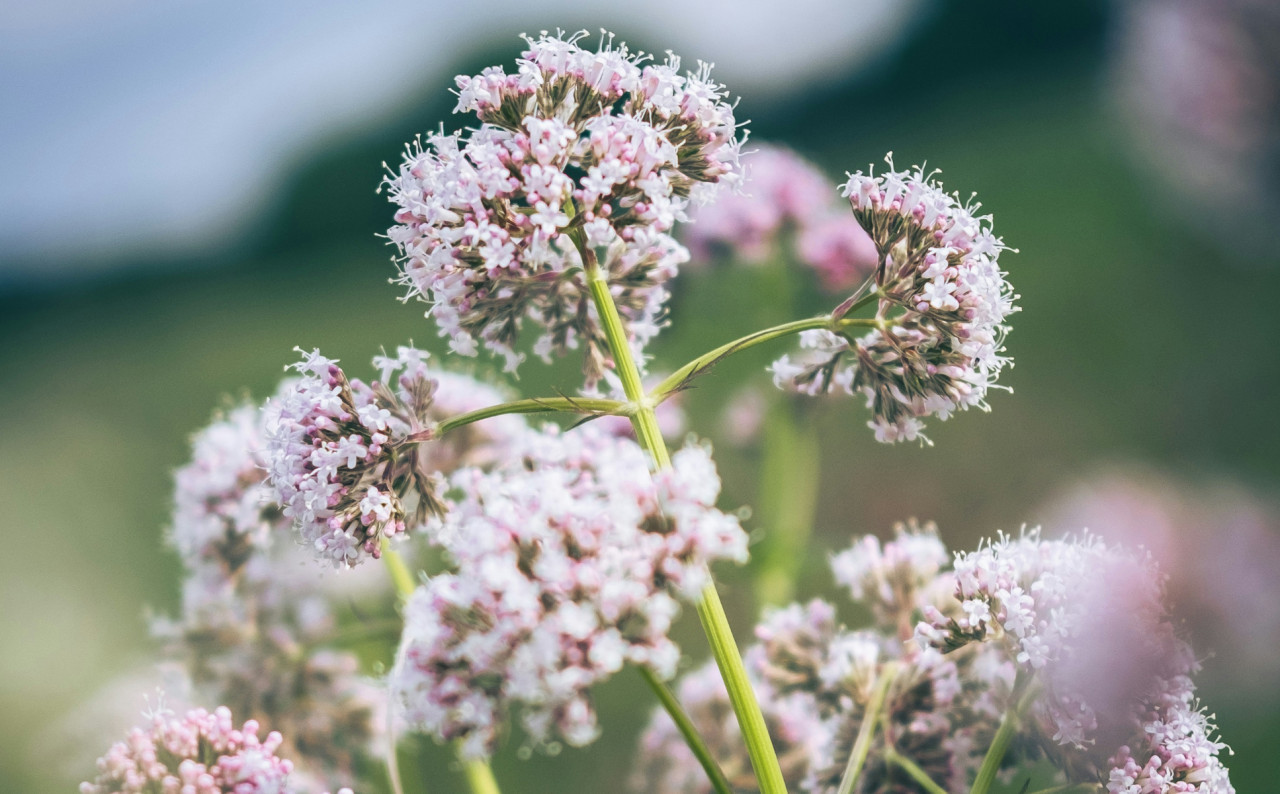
(942, 304)
(1074, 631)
(569, 562)
(198, 753)
(578, 150)
(549, 557)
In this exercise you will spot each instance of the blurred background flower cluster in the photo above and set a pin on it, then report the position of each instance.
(189, 192)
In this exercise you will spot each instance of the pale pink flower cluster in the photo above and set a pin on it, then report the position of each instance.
(348, 461)
(814, 679)
(942, 302)
(1087, 623)
(247, 617)
(569, 562)
(579, 153)
(198, 753)
(784, 199)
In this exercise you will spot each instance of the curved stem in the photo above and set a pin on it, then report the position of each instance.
(691, 736)
(535, 405)
(892, 756)
(870, 717)
(764, 759)
(709, 359)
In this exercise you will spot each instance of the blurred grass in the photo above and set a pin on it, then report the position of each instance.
(1134, 343)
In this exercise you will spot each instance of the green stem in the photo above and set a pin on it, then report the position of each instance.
(788, 496)
(709, 359)
(764, 760)
(1003, 738)
(400, 575)
(535, 405)
(479, 775)
(892, 756)
(691, 736)
(862, 744)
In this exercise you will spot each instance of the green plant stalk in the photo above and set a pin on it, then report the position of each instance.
(691, 736)
(764, 759)
(479, 776)
(534, 405)
(870, 718)
(917, 774)
(1003, 738)
(788, 497)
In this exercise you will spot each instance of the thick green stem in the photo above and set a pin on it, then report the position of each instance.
(532, 406)
(870, 717)
(479, 776)
(764, 760)
(917, 774)
(691, 736)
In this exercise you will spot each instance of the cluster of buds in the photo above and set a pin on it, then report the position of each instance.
(198, 753)
(785, 206)
(941, 300)
(1086, 624)
(347, 460)
(569, 562)
(584, 161)
(816, 680)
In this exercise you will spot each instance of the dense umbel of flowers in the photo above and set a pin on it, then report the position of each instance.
(198, 753)
(581, 154)
(569, 562)
(815, 679)
(248, 614)
(785, 207)
(348, 460)
(1086, 623)
(941, 302)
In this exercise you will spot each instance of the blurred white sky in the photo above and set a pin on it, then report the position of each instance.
(158, 125)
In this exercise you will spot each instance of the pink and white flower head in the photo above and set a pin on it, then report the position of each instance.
(348, 461)
(248, 616)
(580, 155)
(570, 561)
(942, 304)
(896, 578)
(1087, 623)
(815, 678)
(198, 753)
(784, 199)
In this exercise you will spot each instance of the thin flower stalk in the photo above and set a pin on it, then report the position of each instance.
(862, 745)
(913, 769)
(687, 729)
